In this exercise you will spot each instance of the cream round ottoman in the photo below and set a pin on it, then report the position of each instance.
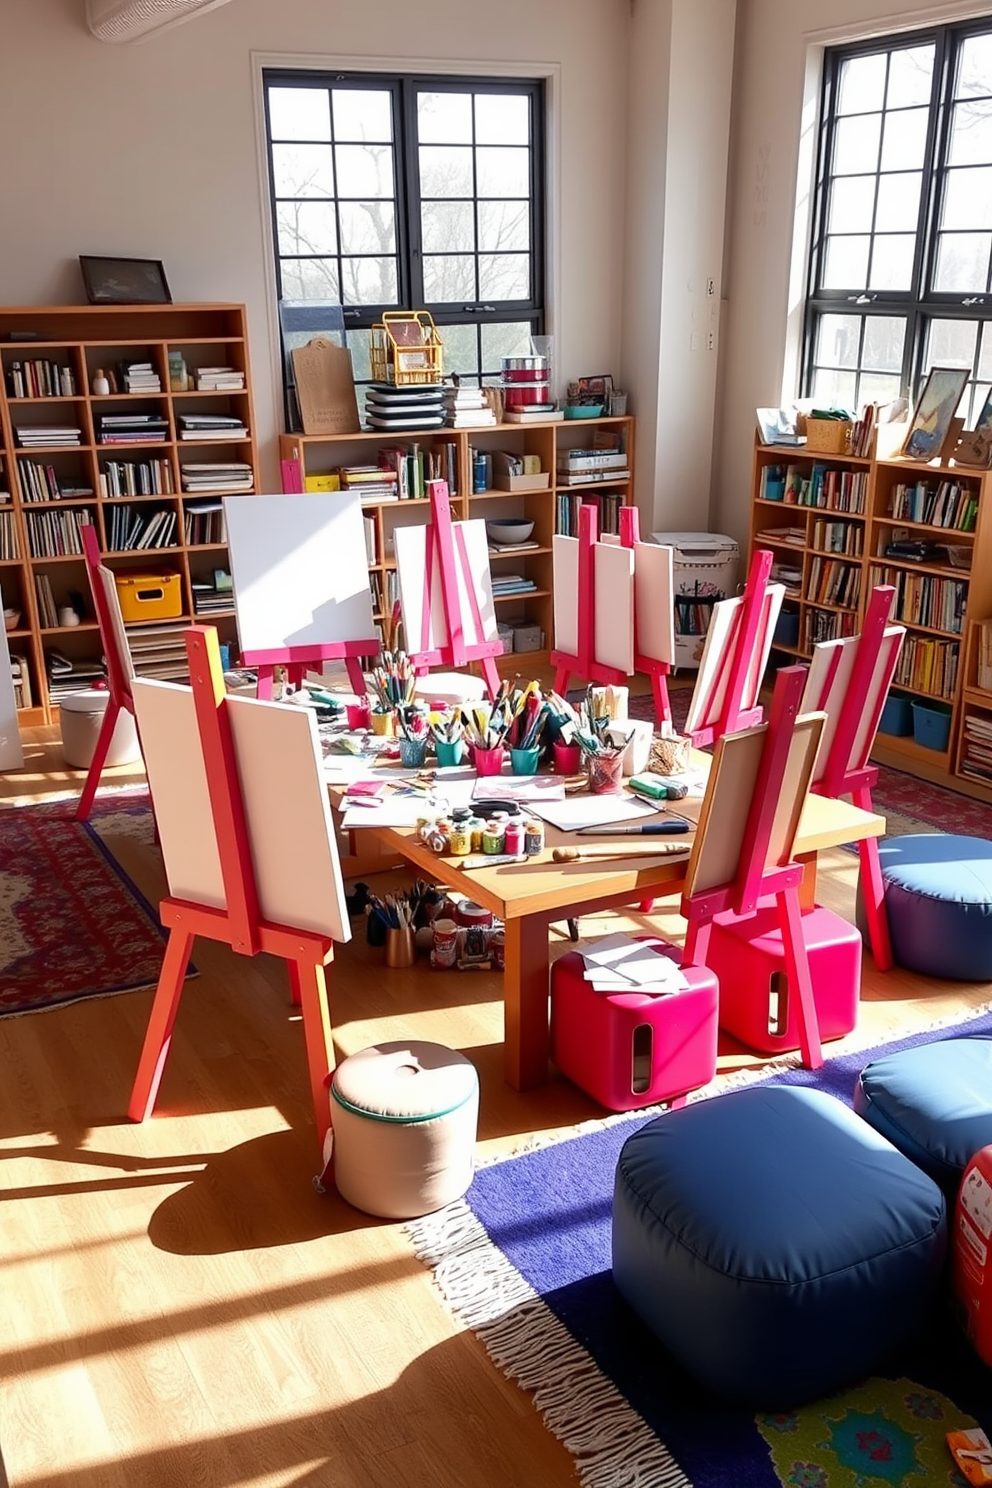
(404, 1119)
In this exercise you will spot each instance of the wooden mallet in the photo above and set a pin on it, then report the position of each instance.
(619, 850)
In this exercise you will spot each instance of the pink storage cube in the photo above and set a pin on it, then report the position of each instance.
(627, 1049)
(756, 1002)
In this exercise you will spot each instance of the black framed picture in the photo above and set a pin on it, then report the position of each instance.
(124, 281)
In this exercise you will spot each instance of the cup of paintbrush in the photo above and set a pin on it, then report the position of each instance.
(605, 772)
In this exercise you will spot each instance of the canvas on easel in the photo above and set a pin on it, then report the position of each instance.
(735, 655)
(301, 582)
(117, 659)
(11, 753)
(247, 864)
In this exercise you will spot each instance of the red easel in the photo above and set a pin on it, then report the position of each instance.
(117, 656)
(764, 867)
(735, 668)
(239, 924)
(446, 542)
(846, 769)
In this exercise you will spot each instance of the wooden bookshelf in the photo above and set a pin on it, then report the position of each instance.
(49, 358)
(829, 519)
(454, 450)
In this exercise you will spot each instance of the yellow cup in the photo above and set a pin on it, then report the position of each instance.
(382, 724)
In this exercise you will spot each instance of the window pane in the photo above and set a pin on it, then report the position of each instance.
(499, 341)
(975, 72)
(444, 118)
(837, 340)
(309, 279)
(306, 227)
(368, 227)
(361, 362)
(875, 387)
(862, 84)
(985, 354)
(303, 170)
(501, 119)
(951, 342)
(503, 172)
(299, 114)
(892, 261)
(362, 115)
(364, 170)
(504, 276)
(504, 225)
(962, 263)
(449, 277)
(834, 389)
(368, 281)
(852, 202)
(968, 198)
(898, 202)
(910, 77)
(461, 349)
(885, 339)
(845, 264)
(971, 133)
(856, 145)
(445, 172)
(447, 226)
(904, 139)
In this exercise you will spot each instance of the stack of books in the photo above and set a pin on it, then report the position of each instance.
(159, 651)
(467, 408)
(388, 407)
(65, 676)
(131, 428)
(213, 598)
(976, 757)
(140, 377)
(583, 467)
(31, 437)
(375, 482)
(212, 426)
(512, 584)
(219, 379)
(535, 413)
(212, 475)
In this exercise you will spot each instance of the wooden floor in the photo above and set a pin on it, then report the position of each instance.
(179, 1307)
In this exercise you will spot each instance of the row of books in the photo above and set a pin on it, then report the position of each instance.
(826, 625)
(136, 478)
(984, 658)
(929, 666)
(607, 504)
(947, 504)
(40, 378)
(20, 675)
(833, 582)
(48, 436)
(390, 590)
(693, 616)
(838, 537)
(976, 747)
(132, 527)
(203, 522)
(9, 545)
(48, 612)
(924, 599)
(827, 488)
(40, 482)
(54, 534)
(371, 540)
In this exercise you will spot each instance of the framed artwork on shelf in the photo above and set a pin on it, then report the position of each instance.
(931, 421)
(124, 281)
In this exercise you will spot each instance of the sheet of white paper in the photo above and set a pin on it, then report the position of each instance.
(565, 566)
(576, 812)
(518, 788)
(395, 811)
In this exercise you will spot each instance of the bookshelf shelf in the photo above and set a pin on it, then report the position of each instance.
(79, 340)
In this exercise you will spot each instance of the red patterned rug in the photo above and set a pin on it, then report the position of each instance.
(72, 923)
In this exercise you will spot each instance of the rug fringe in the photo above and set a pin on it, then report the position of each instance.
(612, 1446)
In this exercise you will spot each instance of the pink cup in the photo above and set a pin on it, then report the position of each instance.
(359, 715)
(488, 761)
(568, 759)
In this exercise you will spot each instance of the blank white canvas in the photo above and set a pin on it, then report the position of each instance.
(613, 631)
(565, 567)
(654, 607)
(714, 671)
(816, 694)
(300, 569)
(11, 753)
(472, 579)
(280, 771)
(112, 600)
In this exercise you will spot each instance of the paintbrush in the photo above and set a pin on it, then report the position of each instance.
(618, 850)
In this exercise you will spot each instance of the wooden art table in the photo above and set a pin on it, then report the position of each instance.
(529, 896)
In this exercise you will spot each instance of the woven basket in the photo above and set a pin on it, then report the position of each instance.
(669, 754)
(828, 436)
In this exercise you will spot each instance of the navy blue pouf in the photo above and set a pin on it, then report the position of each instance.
(938, 897)
(934, 1103)
(777, 1245)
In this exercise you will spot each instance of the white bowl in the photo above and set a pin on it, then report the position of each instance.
(11, 619)
(509, 532)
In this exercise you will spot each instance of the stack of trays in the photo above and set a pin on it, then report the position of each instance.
(401, 408)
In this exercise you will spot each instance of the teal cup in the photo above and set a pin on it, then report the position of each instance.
(449, 752)
(524, 761)
(413, 752)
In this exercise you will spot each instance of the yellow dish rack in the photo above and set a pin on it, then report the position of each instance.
(405, 349)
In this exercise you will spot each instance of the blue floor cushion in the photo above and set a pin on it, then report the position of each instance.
(938, 897)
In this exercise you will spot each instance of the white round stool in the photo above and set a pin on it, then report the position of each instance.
(404, 1118)
(81, 719)
(449, 687)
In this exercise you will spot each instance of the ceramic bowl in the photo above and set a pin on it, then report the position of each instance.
(11, 619)
(509, 532)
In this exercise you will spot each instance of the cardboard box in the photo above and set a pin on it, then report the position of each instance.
(523, 482)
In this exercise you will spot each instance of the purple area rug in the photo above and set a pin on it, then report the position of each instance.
(525, 1261)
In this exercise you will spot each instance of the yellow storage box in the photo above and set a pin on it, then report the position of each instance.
(149, 596)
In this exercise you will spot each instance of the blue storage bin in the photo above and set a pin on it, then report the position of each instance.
(786, 631)
(897, 716)
(931, 725)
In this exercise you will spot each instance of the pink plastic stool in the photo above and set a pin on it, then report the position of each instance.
(626, 1049)
(749, 960)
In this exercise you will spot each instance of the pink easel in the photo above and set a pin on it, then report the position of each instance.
(117, 656)
(774, 766)
(855, 694)
(729, 700)
(630, 536)
(239, 923)
(446, 543)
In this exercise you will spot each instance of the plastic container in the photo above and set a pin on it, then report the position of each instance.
(449, 752)
(931, 725)
(81, 717)
(786, 631)
(567, 758)
(413, 752)
(149, 596)
(488, 761)
(524, 761)
(704, 568)
(897, 716)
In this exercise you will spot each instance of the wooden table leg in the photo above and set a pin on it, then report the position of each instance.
(526, 1038)
(807, 886)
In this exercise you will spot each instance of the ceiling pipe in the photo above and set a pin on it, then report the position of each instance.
(136, 20)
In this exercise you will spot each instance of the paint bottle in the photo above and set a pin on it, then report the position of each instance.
(533, 836)
(478, 828)
(513, 836)
(460, 840)
(492, 836)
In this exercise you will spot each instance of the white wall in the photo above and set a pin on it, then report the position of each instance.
(773, 121)
(150, 150)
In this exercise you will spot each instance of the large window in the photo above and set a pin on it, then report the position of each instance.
(901, 261)
(412, 193)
